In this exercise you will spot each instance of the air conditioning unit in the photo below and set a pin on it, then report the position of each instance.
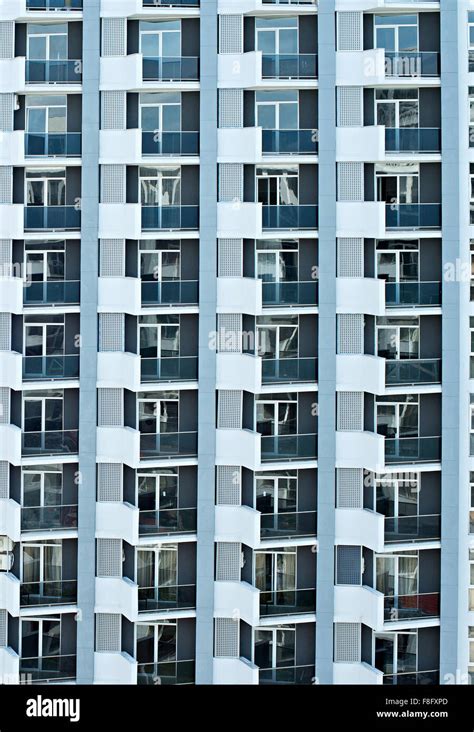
(6, 544)
(6, 562)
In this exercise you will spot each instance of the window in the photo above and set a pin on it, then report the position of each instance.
(471, 512)
(470, 27)
(277, 187)
(277, 336)
(471, 116)
(45, 188)
(277, 35)
(47, 42)
(396, 33)
(46, 124)
(397, 107)
(277, 110)
(397, 187)
(471, 358)
(398, 338)
(471, 424)
(160, 39)
(160, 186)
(471, 579)
(397, 416)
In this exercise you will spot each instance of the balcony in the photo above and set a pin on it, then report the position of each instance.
(412, 678)
(166, 673)
(289, 217)
(412, 64)
(171, 292)
(36, 368)
(54, 4)
(287, 294)
(287, 602)
(52, 442)
(289, 142)
(65, 218)
(48, 518)
(180, 368)
(52, 292)
(411, 607)
(171, 3)
(168, 445)
(413, 215)
(399, 529)
(44, 669)
(290, 66)
(67, 144)
(169, 597)
(63, 71)
(170, 143)
(412, 450)
(169, 217)
(412, 140)
(413, 371)
(167, 521)
(45, 594)
(288, 447)
(412, 294)
(183, 68)
(289, 370)
(290, 525)
(293, 675)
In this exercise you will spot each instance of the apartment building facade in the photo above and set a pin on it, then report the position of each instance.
(236, 341)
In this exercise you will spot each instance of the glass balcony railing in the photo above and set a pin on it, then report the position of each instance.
(413, 371)
(169, 597)
(287, 675)
(412, 139)
(171, 292)
(288, 447)
(56, 71)
(289, 142)
(284, 294)
(290, 2)
(53, 442)
(167, 521)
(38, 218)
(168, 444)
(412, 528)
(411, 607)
(413, 215)
(287, 602)
(54, 4)
(289, 370)
(412, 678)
(170, 143)
(170, 217)
(67, 144)
(48, 518)
(50, 367)
(289, 66)
(166, 673)
(39, 594)
(287, 525)
(412, 450)
(412, 294)
(290, 217)
(44, 669)
(180, 368)
(178, 68)
(52, 292)
(412, 63)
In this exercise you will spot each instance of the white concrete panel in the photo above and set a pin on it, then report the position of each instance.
(11, 219)
(239, 70)
(238, 447)
(358, 526)
(235, 671)
(11, 369)
(118, 369)
(360, 143)
(10, 593)
(120, 220)
(120, 146)
(360, 450)
(117, 521)
(10, 443)
(360, 68)
(239, 371)
(12, 148)
(115, 668)
(12, 74)
(357, 673)
(360, 295)
(118, 445)
(239, 524)
(11, 294)
(116, 595)
(242, 145)
(360, 373)
(360, 219)
(358, 604)
(237, 220)
(10, 518)
(239, 295)
(231, 598)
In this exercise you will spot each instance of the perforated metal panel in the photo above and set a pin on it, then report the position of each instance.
(4, 405)
(349, 31)
(111, 332)
(112, 183)
(228, 561)
(347, 642)
(349, 487)
(229, 327)
(226, 638)
(110, 407)
(4, 479)
(350, 106)
(231, 36)
(6, 112)
(3, 628)
(350, 411)
(5, 332)
(114, 36)
(229, 485)
(231, 108)
(230, 259)
(112, 258)
(229, 412)
(350, 333)
(231, 182)
(7, 39)
(5, 256)
(350, 257)
(108, 633)
(109, 557)
(350, 181)
(6, 184)
(348, 567)
(113, 110)
(109, 482)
